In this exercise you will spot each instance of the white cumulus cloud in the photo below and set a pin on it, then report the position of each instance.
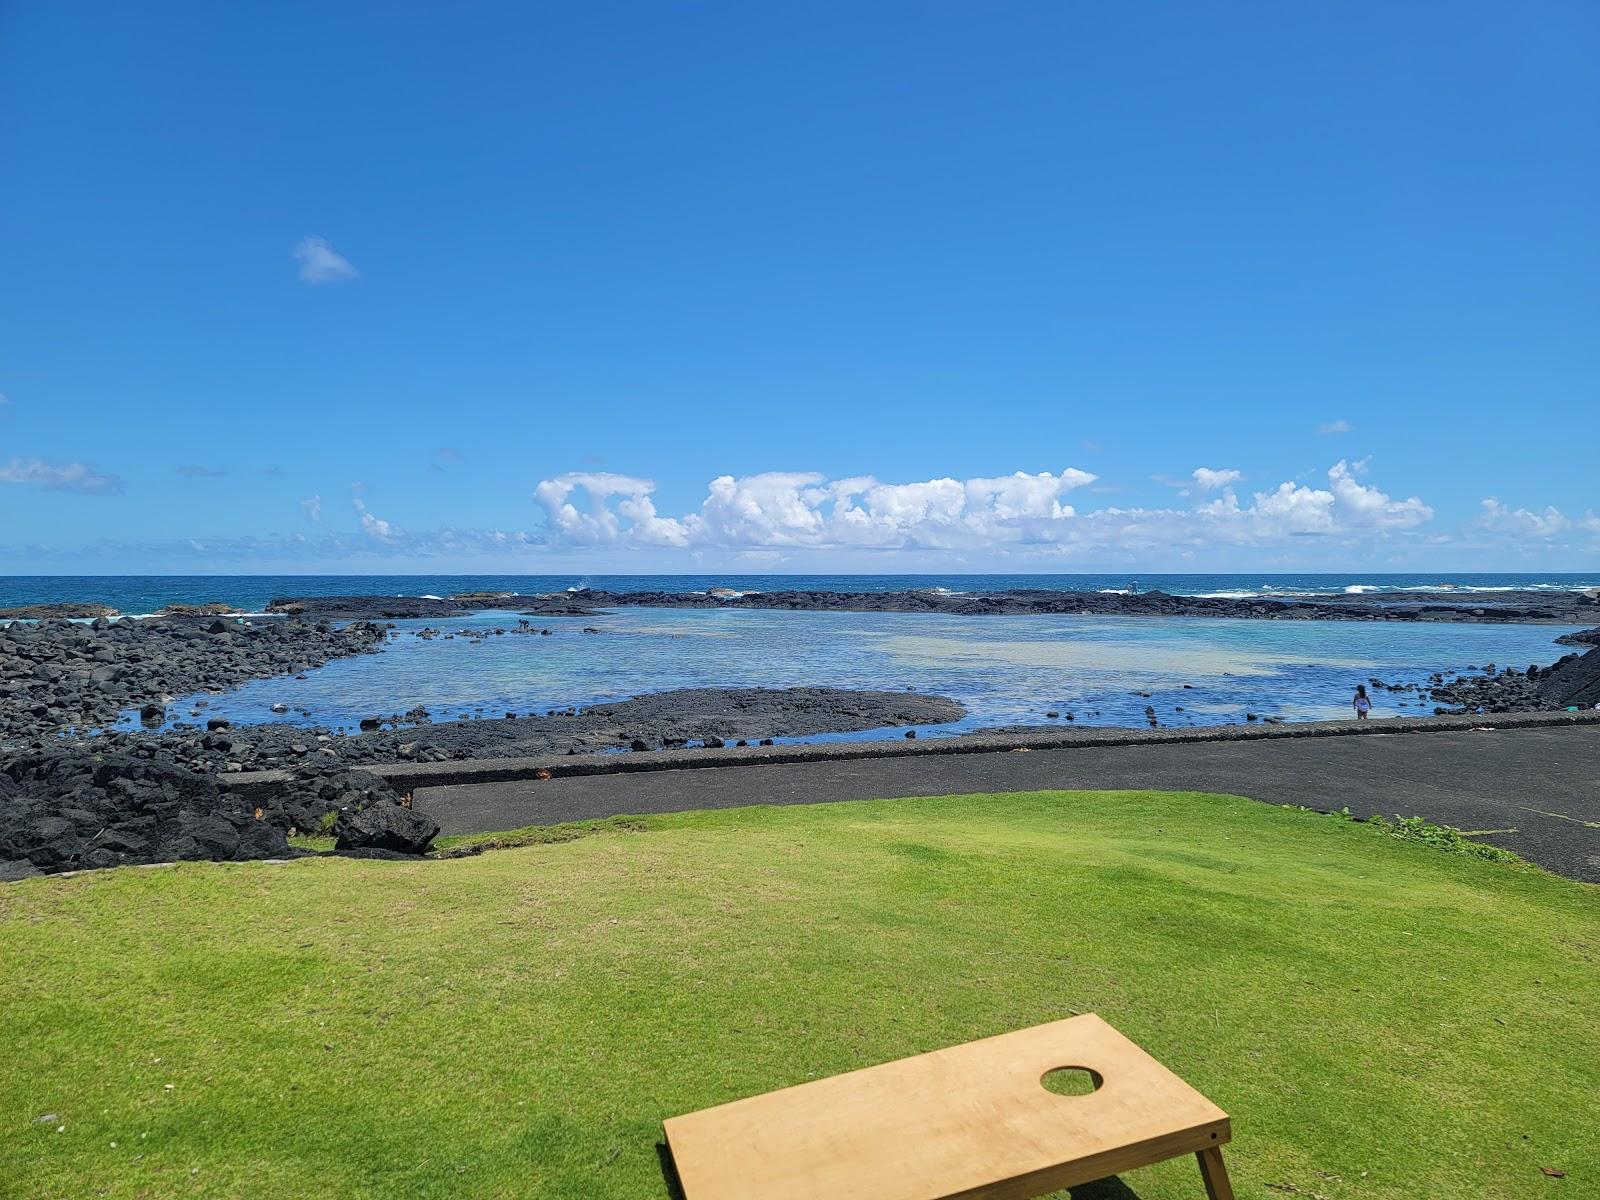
(781, 511)
(804, 509)
(321, 263)
(374, 527)
(599, 524)
(1526, 523)
(312, 507)
(1208, 480)
(1367, 507)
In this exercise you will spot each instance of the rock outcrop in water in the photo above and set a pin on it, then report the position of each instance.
(661, 720)
(1545, 607)
(404, 608)
(365, 608)
(212, 608)
(45, 612)
(1573, 607)
(1584, 637)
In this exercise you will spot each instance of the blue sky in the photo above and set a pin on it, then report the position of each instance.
(701, 286)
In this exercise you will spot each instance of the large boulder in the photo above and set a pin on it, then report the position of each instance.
(313, 802)
(1573, 682)
(386, 827)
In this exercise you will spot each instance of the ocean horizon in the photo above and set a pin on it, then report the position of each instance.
(137, 595)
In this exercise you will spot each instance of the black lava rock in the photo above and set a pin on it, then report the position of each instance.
(386, 827)
(63, 811)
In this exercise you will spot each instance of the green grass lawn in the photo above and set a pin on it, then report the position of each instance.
(1381, 1019)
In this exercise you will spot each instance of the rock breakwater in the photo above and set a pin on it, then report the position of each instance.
(1525, 607)
(659, 721)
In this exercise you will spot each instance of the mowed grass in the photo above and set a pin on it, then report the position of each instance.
(1381, 1019)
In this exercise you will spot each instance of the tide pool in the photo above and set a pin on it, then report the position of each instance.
(1006, 670)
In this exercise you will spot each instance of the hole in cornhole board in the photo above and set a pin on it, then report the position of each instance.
(1071, 1081)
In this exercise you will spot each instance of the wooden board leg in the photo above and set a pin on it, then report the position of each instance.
(1214, 1173)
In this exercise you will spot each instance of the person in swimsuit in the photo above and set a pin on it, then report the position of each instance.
(1363, 703)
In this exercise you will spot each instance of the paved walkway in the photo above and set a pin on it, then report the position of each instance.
(1539, 789)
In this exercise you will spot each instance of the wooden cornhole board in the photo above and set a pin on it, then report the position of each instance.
(973, 1122)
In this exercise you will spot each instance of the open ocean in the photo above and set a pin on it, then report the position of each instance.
(1105, 670)
(139, 594)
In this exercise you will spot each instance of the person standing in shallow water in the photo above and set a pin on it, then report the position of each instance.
(1363, 704)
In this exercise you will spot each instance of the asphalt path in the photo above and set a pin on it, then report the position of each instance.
(1535, 791)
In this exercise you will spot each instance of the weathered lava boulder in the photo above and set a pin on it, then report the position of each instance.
(360, 810)
(391, 827)
(1572, 681)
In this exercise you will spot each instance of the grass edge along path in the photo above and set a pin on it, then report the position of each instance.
(1380, 1019)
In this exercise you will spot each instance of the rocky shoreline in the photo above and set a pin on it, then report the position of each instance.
(118, 798)
(1573, 681)
(673, 720)
(75, 795)
(59, 675)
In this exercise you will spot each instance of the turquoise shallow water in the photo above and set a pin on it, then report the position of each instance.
(1005, 669)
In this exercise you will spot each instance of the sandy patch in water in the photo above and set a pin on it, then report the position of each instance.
(1107, 657)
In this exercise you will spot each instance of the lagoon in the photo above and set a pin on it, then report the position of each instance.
(1104, 670)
